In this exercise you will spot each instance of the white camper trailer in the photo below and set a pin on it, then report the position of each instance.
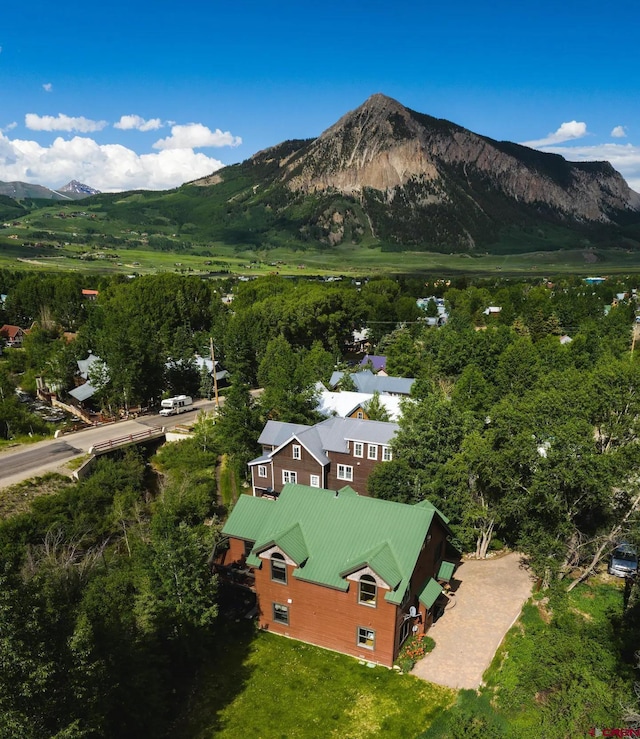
(173, 406)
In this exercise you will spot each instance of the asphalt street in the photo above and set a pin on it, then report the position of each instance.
(48, 456)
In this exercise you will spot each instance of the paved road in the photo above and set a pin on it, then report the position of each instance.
(31, 460)
(489, 599)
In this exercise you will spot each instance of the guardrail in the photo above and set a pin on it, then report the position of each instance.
(105, 446)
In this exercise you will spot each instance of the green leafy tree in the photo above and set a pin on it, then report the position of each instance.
(375, 410)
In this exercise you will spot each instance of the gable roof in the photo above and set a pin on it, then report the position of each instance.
(336, 534)
(331, 435)
(276, 433)
(366, 382)
(11, 331)
(345, 403)
(84, 365)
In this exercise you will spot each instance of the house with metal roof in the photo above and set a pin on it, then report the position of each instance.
(347, 404)
(366, 382)
(336, 569)
(331, 454)
(13, 335)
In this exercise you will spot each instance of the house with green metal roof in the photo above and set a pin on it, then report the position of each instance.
(340, 570)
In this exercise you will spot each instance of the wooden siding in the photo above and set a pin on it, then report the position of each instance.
(304, 467)
(361, 469)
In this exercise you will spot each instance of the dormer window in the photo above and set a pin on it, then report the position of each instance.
(367, 591)
(358, 449)
(278, 568)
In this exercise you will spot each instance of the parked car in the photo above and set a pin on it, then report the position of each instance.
(624, 560)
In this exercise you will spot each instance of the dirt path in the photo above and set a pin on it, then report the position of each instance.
(488, 601)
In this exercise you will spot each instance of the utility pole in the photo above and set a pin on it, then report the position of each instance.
(215, 374)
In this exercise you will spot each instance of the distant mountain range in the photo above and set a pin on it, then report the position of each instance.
(385, 175)
(73, 190)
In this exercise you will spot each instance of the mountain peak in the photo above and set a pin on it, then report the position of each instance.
(78, 189)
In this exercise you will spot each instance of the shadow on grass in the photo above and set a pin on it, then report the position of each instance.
(222, 676)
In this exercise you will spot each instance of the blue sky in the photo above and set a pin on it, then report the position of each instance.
(149, 95)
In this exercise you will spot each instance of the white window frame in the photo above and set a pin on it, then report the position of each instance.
(289, 476)
(297, 451)
(365, 635)
(262, 470)
(314, 481)
(387, 454)
(345, 472)
(372, 451)
(358, 449)
(360, 415)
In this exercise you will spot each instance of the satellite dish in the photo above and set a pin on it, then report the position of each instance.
(412, 612)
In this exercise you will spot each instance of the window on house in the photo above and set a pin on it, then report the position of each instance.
(296, 452)
(387, 454)
(248, 546)
(278, 568)
(404, 631)
(289, 476)
(359, 414)
(368, 590)
(372, 452)
(314, 481)
(366, 638)
(281, 613)
(262, 470)
(358, 449)
(345, 472)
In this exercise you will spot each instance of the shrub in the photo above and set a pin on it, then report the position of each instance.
(414, 649)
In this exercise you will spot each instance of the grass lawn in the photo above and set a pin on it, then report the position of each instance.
(272, 687)
(347, 260)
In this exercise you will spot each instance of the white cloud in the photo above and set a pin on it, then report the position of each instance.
(624, 157)
(619, 132)
(128, 122)
(567, 132)
(194, 136)
(47, 87)
(8, 127)
(110, 168)
(62, 122)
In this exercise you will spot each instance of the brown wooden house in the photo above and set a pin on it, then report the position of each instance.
(331, 454)
(343, 571)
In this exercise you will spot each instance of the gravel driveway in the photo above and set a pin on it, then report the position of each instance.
(489, 599)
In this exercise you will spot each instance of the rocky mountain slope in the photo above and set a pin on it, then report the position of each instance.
(73, 190)
(77, 190)
(412, 180)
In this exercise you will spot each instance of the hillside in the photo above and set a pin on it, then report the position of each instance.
(382, 176)
(413, 181)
